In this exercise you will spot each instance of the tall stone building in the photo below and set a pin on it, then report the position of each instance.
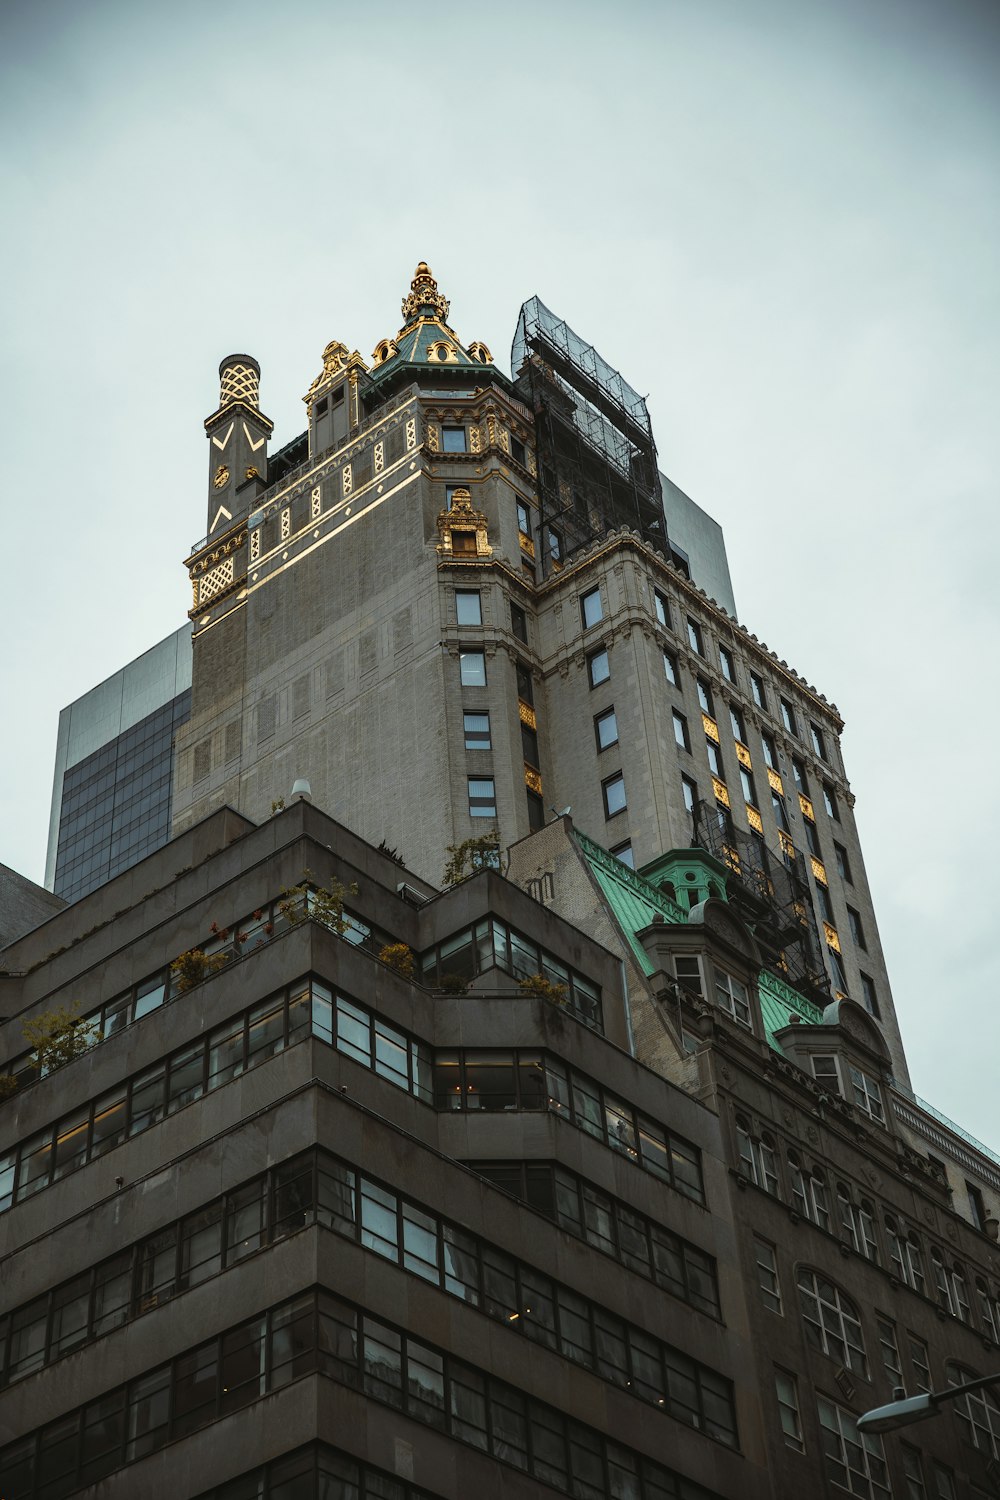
(453, 603)
(596, 1173)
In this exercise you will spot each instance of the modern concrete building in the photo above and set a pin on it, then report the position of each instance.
(114, 760)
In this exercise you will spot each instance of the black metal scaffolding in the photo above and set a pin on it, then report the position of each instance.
(596, 455)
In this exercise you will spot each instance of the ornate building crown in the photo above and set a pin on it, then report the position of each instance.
(424, 293)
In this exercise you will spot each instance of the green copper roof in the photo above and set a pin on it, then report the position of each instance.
(634, 903)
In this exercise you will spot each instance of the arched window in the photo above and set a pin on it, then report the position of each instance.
(757, 1156)
(831, 1321)
(869, 1238)
(978, 1411)
(848, 1218)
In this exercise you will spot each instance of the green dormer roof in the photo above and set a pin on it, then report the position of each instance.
(425, 338)
(634, 902)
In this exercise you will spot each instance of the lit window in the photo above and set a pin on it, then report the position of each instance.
(738, 726)
(681, 730)
(830, 802)
(472, 666)
(477, 731)
(518, 623)
(843, 863)
(614, 795)
(598, 668)
(468, 607)
(670, 668)
(704, 696)
(818, 743)
(694, 636)
(590, 608)
(831, 1321)
(854, 1460)
(767, 1274)
(788, 716)
(690, 793)
(757, 689)
(606, 729)
(733, 997)
(788, 1410)
(662, 608)
(857, 931)
(727, 663)
(624, 853)
(770, 753)
(482, 797)
(453, 439)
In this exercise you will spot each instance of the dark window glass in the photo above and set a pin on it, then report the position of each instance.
(519, 623)
(453, 439)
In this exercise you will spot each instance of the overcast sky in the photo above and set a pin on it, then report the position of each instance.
(780, 220)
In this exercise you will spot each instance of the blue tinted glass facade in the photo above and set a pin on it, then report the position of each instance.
(115, 806)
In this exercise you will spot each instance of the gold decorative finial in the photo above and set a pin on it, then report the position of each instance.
(424, 293)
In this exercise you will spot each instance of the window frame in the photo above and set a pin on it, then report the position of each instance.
(617, 779)
(587, 617)
(593, 657)
(600, 721)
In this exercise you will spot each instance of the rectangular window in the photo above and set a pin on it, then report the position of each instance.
(606, 729)
(536, 811)
(529, 746)
(788, 1410)
(472, 666)
(747, 784)
(555, 544)
(681, 730)
(977, 1206)
(662, 607)
(799, 773)
(477, 731)
(694, 636)
(853, 1460)
(869, 994)
(523, 519)
(690, 789)
(826, 1072)
(525, 686)
(757, 689)
(453, 439)
(920, 1362)
(867, 1094)
(704, 697)
(727, 663)
(624, 853)
(843, 863)
(780, 815)
(591, 610)
(614, 795)
(830, 802)
(670, 668)
(519, 623)
(770, 752)
(714, 759)
(857, 931)
(788, 716)
(738, 726)
(468, 608)
(890, 1350)
(518, 452)
(767, 1273)
(818, 743)
(733, 996)
(598, 668)
(482, 797)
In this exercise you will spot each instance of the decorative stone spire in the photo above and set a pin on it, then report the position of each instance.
(237, 432)
(239, 380)
(424, 296)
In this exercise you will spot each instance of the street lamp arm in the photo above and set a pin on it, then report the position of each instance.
(918, 1408)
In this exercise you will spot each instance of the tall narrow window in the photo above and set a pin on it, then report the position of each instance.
(670, 668)
(681, 731)
(830, 802)
(727, 664)
(818, 742)
(468, 607)
(747, 784)
(770, 753)
(757, 690)
(854, 1461)
(843, 863)
(519, 623)
(694, 636)
(598, 668)
(732, 996)
(736, 721)
(788, 1409)
(591, 610)
(788, 716)
(523, 519)
(477, 731)
(482, 797)
(704, 696)
(614, 795)
(662, 607)
(767, 1273)
(472, 668)
(857, 929)
(690, 789)
(606, 729)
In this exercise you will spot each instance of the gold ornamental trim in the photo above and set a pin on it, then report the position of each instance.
(774, 781)
(787, 847)
(832, 938)
(806, 808)
(743, 755)
(532, 779)
(710, 727)
(721, 791)
(754, 819)
(819, 870)
(526, 714)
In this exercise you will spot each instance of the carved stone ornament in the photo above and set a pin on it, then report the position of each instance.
(336, 360)
(424, 293)
(812, 1134)
(462, 530)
